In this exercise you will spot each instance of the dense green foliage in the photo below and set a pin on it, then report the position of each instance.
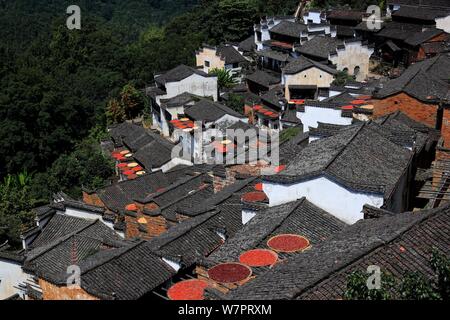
(224, 78)
(236, 102)
(412, 286)
(16, 203)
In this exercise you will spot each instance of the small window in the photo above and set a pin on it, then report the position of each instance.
(356, 71)
(207, 64)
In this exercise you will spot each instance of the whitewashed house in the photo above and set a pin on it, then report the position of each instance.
(354, 57)
(203, 120)
(303, 78)
(346, 171)
(226, 57)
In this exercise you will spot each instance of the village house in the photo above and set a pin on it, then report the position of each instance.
(11, 274)
(303, 78)
(378, 176)
(64, 241)
(202, 122)
(419, 93)
(402, 44)
(351, 55)
(226, 57)
(138, 150)
(300, 218)
(397, 243)
(260, 81)
(345, 22)
(181, 79)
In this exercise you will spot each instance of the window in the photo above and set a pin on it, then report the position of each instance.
(356, 71)
(207, 64)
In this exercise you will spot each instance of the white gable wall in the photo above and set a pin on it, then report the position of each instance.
(443, 24)
(11, 275)
(77, 213)
(342, 203)
(313, 115)
(195, 84)
(313, 16)
(354, 55)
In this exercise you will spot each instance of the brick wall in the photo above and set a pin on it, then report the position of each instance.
(422, 112)
(445, 131)
(53, 292)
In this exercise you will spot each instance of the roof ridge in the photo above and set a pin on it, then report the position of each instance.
(173, 186)
(52, 245)
(294, 207)
(114, 255)
(381, 242)
(189, 194)
(202, 220)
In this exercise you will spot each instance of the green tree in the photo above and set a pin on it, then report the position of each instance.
(133, 101)
(412, 286)
(115, 112)
(236, 102)
(15, 207)
(224, 78)
(341, 78)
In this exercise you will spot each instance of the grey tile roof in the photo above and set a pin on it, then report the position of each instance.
(179, 100)
(58, 226)
(345, 15)
(303, 63)
(407, 252)
(273, 54)
(398, 30)
(358, 157)
(178, 73)
(210, 111)
(325, 130)
(126, 273)
(218, 198)
(248, 45)
(179, 189)
(131, 132)
(404, 131)
(155, 154)
(290, 29)
(300, 217)
(196, 238)
(116, 197)
(263, 78)
(422, 3)
(51, 260)
(421, 37)
(274, 98)
(417, 232)
(425, 14)
(319, 47)
(423, 81)
(230, 54)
